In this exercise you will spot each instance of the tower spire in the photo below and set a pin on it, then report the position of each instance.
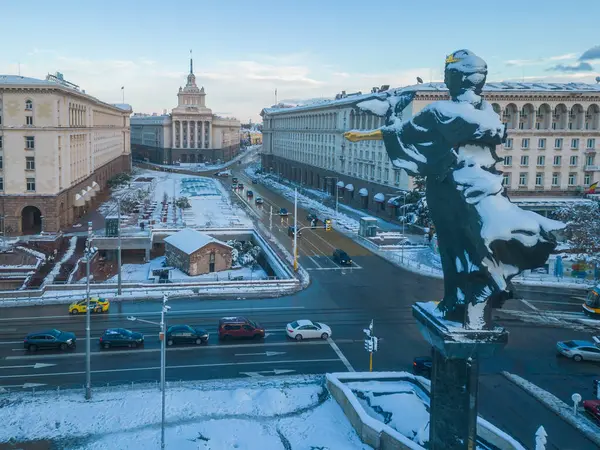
(191, 62)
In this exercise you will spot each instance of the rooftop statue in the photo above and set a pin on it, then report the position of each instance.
(484, 239)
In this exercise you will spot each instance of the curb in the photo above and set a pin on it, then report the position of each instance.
(557, 406)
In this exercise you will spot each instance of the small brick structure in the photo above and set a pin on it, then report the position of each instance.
(197, 253)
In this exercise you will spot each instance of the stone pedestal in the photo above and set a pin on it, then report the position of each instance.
(454, 376)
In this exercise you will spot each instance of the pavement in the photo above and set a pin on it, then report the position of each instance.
(344, 298)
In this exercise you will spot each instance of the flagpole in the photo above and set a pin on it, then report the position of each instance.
(275, 96)
(123, 92)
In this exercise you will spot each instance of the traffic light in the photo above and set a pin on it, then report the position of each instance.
(597, 388)
(375, 344)
(327, 224)
(369, 345)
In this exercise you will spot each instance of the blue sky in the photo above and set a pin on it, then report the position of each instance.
(243, 51)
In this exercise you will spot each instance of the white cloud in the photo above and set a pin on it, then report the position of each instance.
(538, 61)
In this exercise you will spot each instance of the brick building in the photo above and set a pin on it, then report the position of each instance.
(196, 253)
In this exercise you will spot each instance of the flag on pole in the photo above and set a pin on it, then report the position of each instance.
(122, 87)
(592, 188)
(275, 91)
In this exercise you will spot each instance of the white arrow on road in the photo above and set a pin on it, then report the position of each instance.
(35, 366)
(267, 372)
(23, 386)
(261, 354)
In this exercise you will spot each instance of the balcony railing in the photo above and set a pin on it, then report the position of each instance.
(591, 168)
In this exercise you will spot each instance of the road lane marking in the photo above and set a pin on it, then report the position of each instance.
(171, 349)
(23, 386)
(260, 354)
(172, 313)
(337, 350)
(274, 372)
(315, 262)
(35, 366)
(190, 366)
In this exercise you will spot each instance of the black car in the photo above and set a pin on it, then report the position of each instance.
(341, 257)
(422, 366)
(240, 186)
(283, 212)
(254, 181)
(120, 337)
(259, 201)
(184, 334)
(56, 339)
(291, 231)
(234, 180)
(249, 194)
(312, 217)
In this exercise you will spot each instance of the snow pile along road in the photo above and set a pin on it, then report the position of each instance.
(278, 414)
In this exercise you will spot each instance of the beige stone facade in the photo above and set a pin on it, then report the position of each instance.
(554, 135)
(59, 146)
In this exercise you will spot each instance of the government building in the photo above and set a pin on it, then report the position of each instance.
(190, 134)
(58, 148)
(553, 137)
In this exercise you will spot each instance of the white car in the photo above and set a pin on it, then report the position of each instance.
(306, 329)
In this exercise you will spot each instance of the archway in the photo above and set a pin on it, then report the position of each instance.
(31, 220)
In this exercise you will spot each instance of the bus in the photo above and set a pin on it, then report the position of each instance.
(591, 307)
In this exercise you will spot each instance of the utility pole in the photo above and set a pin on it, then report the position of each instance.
(163, 363)
(295, 229)
(88, 362)
(371, 344)
(118, 245)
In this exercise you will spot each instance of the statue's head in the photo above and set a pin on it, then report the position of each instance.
(464, 75)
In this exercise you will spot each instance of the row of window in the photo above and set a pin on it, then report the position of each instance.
(30, 184)
(539, 179)
(558, 143)
(556, 160)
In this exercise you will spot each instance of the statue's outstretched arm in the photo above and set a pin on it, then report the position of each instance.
(355, 136)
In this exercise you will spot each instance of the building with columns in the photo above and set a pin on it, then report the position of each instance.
(58, 148)
(190, 134)
(553, 138)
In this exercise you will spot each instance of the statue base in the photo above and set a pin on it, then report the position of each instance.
(455, 376)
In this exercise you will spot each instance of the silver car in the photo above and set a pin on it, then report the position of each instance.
(579, 350)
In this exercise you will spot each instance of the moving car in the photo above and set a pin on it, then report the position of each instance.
(185, 334)
(254, 181)
(259, 201)
(239, 328)
(579, 350)
(234, 186)
(313, 217)
(249, 194)
(592, 407)
(341, 257)
(120, 337)
(283, 212)
(240, 186)
(422, 366)
(56, 339)
(291, 231)
(306, 329)
(97, 305)
(234, 180)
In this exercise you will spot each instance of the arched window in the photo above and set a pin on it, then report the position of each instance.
(28, 105)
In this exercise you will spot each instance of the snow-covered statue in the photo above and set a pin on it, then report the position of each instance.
(484, 239)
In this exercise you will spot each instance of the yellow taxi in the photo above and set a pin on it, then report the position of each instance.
(97, 305)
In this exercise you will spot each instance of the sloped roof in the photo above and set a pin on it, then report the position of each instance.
(189, 241)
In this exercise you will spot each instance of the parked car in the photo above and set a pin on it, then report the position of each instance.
(306, 329)
(120, 337)
(56, 339)
(422, 366)
(254, 181)
(239, 328)
(579, 350)
(185, 334)
(234, 180)
(283, 212)
(341, 257)
(592, 407)
(97, 305)
(259, 201)
(249, 194)
(291, 231)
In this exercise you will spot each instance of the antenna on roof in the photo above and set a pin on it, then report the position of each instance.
(597, 79)
(419, 80)
(19, 63)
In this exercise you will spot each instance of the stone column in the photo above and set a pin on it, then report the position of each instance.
(209, 128)
(180, 134)
(189, 137)
(173, 136)
(202, 134)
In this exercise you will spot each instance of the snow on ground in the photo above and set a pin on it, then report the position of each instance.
(276, 414)
(143, 272)
(56, 269)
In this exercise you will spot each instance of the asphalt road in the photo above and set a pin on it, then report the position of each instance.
(345, 299)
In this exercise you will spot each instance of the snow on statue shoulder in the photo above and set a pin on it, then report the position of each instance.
(484, 239)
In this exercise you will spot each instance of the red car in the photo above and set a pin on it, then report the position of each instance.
(592, 407)
(239, 328)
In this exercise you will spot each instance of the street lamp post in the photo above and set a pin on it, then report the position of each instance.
(119, 246)
(295, 230)
(89, 252)
(403, 224)
(163, 361)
